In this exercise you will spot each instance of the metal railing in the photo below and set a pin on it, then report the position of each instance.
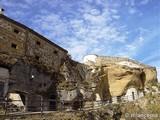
(41, 106)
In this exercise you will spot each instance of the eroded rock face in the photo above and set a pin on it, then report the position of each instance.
(150, 76)
(102, 78)
(99, 78)
(120, 78)
(122, 73)
(107, 77)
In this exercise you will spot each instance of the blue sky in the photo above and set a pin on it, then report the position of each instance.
(126, 28)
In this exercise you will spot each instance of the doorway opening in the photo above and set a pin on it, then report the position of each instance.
(133, 96)
(1, 89)
(77, 104)
(52, 102)
(23, 98)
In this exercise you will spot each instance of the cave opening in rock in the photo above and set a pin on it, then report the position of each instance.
(23, 98)
(77, 104)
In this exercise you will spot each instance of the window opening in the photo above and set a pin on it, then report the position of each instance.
(37, 58)
(55, 52)
(23, 98)
(110, 100)
(133, 96)
(118, 98)
(16, 31)
(38, 43)
(13, 45)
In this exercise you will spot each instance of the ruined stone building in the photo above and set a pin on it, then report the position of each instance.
(29, 63)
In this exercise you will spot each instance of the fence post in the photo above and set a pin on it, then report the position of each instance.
(102, 102)
(92, 104)
(26, 103)
(41, 105)
(80, 102)
(62, 104)
(6, 104)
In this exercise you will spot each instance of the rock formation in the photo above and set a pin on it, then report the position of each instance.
(103, 78)
(98, 79)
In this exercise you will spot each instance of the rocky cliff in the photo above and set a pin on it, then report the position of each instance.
(99, 78)
(103, 77)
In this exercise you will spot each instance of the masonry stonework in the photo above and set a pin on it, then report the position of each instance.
(33, 63)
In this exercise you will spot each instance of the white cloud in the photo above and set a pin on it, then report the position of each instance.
(131, 49)
(116, 16)
(132, 10)
(89, 1)
(95, 12)
(102, 2)
(94, 19)
(144, 2)
(14, 4)
(51, 25)
(143, 30)
(130, 2)
(77, 49)
(99, 19)
(114, 11)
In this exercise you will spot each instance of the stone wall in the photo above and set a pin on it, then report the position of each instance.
(4, 76)
(12, 39)
(32, 61)
(109, 59)
(68, 95)
(19, 41)
(44, 52)
(29, 79)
